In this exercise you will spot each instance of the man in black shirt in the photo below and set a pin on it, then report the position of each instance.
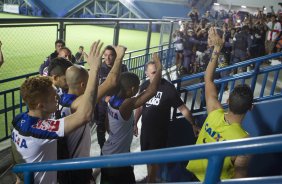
(156, 116)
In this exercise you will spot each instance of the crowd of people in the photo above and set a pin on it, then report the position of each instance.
(62, 104)
(67, 99)
(246, 36)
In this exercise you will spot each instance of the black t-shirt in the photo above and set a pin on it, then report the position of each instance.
(156, 111)
(105, 70)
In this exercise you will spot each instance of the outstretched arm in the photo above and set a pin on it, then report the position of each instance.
(1, 55)
(211, 93)
(153, 86)
(135, 102)
(188, 116)
(88, 99)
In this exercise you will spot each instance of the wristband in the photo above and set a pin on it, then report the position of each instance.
(216, 53)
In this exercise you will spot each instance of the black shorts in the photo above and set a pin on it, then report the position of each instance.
(117, 175)
(153, 141)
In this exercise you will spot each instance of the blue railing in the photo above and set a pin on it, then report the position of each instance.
(12, 102)
(214, 152)
(197, 89)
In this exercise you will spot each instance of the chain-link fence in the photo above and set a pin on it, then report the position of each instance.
(27, 43)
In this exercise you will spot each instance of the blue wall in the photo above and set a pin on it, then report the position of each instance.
(264, 119)
(56, 8)
(158, 10)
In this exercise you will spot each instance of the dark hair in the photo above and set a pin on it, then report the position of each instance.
(60, 41)
(241, 99)
(58, 66)
(81, 47)
(128, 80)
(109, 47)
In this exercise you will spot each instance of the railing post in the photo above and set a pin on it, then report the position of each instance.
(116, 33)
(148, 44)
(214, 168)
(255, 74)
(61, 31)
(169, 44)
(175, 109)
(28, 177)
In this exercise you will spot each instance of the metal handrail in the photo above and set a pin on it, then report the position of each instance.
(253, 74)
(230, 67)
(69, 20)
(214, 152)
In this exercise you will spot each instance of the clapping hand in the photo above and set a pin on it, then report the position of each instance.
(214, 39)
(95, 56)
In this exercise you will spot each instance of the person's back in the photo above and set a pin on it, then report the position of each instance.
(35, 141)
(221, 126)
(120, 130)
(77, 143)
(121, 122)
(216, 129)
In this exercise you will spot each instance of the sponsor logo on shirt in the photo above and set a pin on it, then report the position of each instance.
(21, 142)
(155, 100)
(113, 114)
(212, 133)
(47, 125)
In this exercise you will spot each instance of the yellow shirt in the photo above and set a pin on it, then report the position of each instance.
(216, 129)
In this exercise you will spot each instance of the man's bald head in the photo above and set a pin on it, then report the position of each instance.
(75, 75)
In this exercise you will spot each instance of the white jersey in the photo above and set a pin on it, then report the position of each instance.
(120, 134)
(274, 31)
(35, 140)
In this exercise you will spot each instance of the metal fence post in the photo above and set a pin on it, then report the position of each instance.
(214, 168)
(255, 74)
(116, 33)
(61, 31)
(28, 177)
(149, 33)
(169, 44)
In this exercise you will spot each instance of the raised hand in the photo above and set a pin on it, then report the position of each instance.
(214, 39)
(95, 56)
(157, 61)
(120, 50)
